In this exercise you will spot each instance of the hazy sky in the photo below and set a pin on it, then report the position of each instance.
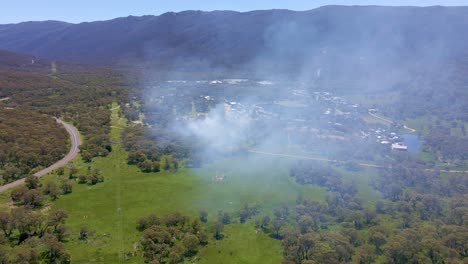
(13, 11)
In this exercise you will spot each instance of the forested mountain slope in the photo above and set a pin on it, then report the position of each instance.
(232, 38)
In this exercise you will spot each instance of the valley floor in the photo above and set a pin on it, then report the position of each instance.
(111, 208)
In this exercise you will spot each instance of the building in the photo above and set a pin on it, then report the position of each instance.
(398, 146)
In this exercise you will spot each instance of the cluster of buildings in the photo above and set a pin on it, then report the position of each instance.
(384, 137)
(316, 113)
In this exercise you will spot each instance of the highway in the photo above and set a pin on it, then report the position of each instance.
(74, 150)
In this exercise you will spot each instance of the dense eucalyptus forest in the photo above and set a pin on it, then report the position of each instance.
(28, 141)
(76, 95)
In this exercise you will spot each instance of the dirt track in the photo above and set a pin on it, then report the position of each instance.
(75, 138)
(330, 160)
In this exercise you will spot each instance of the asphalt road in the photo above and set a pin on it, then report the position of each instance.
(75, 138)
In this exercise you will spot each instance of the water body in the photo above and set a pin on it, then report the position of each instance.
(413, 142)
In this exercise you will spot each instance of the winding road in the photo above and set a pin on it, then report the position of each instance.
(75, 139)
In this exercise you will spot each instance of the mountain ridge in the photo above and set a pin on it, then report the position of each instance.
(262, 37)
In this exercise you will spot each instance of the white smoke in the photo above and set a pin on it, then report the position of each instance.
(219, 130)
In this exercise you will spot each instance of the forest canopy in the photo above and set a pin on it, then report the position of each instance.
(28, 141)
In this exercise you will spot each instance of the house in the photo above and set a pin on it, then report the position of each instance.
(398, 146)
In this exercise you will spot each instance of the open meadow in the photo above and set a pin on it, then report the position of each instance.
(112, 208)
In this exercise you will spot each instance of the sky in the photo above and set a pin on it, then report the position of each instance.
(75, 11)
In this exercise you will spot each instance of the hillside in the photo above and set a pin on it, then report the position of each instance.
(370, 49)
(342, 34)
(12, 60)
(335, 135)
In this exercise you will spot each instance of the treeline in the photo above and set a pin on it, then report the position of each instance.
(155, 149)
(29, 232)
(81, 97)
(33, 194)
(421, 220)
(28, 141)
(447, 146)
(425, 93)
(30, 236)
(171, 238)
(322, 175)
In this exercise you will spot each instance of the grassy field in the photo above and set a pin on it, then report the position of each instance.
(289, 103)
(111, 208)
(374, 120)
(372, 100)
(241, 245)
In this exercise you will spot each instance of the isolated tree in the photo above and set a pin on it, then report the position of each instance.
(17, 194)
(176, 254)
(87, 156)
(191, 244)
(82, 179)
(156, 166)
(32, 182)
(28, 222)
(54, 251)
(52, 190)
(136, 157)
(61, 231)
(73, 170)
(282, 212)
(145, 222)
(66, 187)
(57, 217)
(146, 166)
(265, 221)
(276, 225)
(226, 218)
(306, 223)
(243, 215)
(93, 179)
(25, 254)
(84, 233)
(218, 229)
(60, 171)
(6, 224)
(203, 215)
(33, 198)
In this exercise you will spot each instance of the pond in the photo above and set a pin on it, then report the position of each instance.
(413, 142)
